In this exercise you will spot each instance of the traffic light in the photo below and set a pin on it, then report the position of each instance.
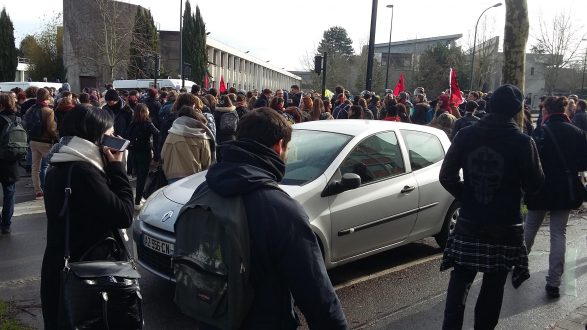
(318, 64)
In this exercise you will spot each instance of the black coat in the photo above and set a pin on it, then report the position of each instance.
(154, 108)
(498, 162)
(468, 120)
(573, 144)
(8, 169)
(100, 203)
(580, 120)
(285, 254)
(139, 134)
(121, 113)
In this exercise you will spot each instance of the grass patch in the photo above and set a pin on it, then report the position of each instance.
(7, 318)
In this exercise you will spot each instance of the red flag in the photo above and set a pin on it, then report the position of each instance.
(400, 85)
(222, 85)
(455, 91)
(206, 81)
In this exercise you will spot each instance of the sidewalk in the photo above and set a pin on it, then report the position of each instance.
(577, 320)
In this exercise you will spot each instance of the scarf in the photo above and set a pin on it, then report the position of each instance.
(76, 149)
(190, 127)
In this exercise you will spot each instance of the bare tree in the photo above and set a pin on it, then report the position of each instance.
(559, 40)
(111, 41)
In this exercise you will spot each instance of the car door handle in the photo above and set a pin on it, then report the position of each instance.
(408, 189)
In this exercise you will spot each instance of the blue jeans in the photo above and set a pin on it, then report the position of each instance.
(7, 205)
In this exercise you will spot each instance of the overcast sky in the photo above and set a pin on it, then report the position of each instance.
(287, 32)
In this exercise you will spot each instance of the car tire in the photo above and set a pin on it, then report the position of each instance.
(448, 226)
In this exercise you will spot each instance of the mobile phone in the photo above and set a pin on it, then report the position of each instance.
(115, 143)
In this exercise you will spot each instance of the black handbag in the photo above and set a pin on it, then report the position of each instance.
(155, 180)
(99, 294)
(577, 191)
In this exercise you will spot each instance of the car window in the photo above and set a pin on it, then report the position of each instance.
(377, 157)
(424, 148)
(310, 153)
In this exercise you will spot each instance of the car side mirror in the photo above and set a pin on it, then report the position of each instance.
(348, 181)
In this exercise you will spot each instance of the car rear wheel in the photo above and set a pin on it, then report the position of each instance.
(448, 226)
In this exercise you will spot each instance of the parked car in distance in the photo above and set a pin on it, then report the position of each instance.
(366, 185)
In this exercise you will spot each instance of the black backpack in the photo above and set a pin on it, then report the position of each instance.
(212, 262)
(13, 140)
(33, 122)
(228, 123)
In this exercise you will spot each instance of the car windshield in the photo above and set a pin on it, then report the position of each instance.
(310, 153)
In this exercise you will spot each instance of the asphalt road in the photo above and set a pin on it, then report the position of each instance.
(399, 289)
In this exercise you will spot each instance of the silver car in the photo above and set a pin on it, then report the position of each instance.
(366, 185)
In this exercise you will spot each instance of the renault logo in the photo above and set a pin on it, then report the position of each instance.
(166, 216)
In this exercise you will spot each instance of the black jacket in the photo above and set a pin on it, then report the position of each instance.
(573, 143)
(468, 120)
(121, 113)
(286, 259)
(100, 203)
(498, 162)
(8, 170)
(419, 117)
(261, 102)
(580, 120)
(139, 134)
(154, 108)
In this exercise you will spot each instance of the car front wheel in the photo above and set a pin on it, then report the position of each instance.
(448, 226)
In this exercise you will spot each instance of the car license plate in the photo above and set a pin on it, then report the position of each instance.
(158, 245)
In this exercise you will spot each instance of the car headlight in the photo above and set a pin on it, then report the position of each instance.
(153, 196)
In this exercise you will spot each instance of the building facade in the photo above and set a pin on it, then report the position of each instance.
(237, 68)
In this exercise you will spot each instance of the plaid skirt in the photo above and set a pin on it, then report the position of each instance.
(484, 256)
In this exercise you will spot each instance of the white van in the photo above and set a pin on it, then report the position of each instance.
(7, 86)
(149, 83)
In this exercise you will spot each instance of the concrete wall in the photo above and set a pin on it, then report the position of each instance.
(82, 35)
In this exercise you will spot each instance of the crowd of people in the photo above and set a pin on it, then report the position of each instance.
(182, 131)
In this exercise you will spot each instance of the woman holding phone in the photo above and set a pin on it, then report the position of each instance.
(101, 198)
(140, 132)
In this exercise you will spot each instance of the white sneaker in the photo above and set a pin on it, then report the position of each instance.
(138, 207)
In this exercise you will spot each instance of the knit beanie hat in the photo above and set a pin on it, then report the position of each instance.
(111, 95)
(506, 100)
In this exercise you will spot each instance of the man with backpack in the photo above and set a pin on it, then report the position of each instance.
(13, 146)
(41, 128)
(278, 260)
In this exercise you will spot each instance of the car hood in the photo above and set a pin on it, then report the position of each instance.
(161, 209)
(182, 190)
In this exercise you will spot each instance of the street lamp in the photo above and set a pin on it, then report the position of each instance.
(388, 49)
(475, 42)
(181, 43)
(584, 62)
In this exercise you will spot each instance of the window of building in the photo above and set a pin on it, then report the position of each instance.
(424, 148)
(375, 158)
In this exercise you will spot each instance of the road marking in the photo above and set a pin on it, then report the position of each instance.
(19, 283)
(387, 271)
(30, 207)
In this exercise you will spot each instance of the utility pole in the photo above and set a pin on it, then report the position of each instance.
(324, 74)
(181, 43)
(371, 46)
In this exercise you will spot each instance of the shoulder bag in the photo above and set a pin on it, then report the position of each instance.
(577, 193)
(98, 294)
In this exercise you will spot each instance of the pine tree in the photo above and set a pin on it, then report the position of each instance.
(144, 46)
(336, 41)
(8, 54)
(200, 65)
(188, 37)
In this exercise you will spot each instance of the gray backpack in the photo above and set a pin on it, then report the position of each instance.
(211, 262)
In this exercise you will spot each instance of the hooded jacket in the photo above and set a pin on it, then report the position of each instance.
(497, 159)
(188, 148)
(286, 259)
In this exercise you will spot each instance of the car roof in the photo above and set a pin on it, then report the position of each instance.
(356, 127)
